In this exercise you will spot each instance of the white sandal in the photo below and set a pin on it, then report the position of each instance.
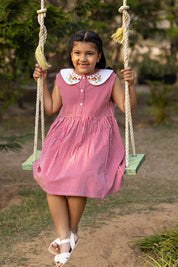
(52, 249)
(74, 244)
(57, 241)
(64, 257)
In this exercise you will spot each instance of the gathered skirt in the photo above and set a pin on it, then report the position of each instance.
(81, 157)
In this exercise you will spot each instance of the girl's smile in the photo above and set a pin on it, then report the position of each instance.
(84, 57)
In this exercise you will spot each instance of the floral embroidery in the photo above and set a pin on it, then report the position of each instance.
(73, 77)
(96, 78)
(70, 77)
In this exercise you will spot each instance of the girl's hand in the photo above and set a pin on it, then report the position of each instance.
(38, 73)
(128, 75)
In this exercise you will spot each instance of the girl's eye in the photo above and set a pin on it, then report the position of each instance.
(76, 53)
(90, 53)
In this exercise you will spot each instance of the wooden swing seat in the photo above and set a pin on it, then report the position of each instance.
(134, 163)
(28, 164)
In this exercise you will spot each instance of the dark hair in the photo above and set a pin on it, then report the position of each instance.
(88, 36)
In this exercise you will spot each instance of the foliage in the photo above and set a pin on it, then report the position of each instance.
(161, 248)
(16, 35)
(19, 36)
(159, 100)
(145, 16)
(12, 142)
(19, 33)
(155, 69)
(150, 69)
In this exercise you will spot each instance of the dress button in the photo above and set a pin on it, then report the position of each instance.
(81, 90)
(81, 104)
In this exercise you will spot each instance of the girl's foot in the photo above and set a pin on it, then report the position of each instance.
(66, 248)
(76, 238)
(65, 253)
(55, 245)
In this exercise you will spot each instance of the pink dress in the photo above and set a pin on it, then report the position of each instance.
(83, 153)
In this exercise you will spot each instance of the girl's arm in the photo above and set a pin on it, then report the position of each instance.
(52, 103)
(118, 93)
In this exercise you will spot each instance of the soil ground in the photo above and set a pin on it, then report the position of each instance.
(109, 245)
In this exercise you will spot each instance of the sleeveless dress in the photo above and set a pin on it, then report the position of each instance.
(83, 153)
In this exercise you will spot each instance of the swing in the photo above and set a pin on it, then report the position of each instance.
(39, 54)
(133, 161)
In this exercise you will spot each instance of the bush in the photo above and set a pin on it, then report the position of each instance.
(159, 100)
(156, 70)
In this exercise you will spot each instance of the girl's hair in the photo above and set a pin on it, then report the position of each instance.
(88, 36)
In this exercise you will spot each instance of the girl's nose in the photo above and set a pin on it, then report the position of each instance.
(83, 57)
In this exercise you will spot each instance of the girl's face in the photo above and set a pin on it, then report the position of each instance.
(84, 57)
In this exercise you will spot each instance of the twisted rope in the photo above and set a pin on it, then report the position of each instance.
(39, 53)
(122, 36)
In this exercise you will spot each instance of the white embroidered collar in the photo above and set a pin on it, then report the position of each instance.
(98, 78)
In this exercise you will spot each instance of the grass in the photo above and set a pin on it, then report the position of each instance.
(161, 248)
(131, 199)
(27, 220)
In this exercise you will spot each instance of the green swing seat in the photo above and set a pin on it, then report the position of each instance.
(28, 164)
(134, 163)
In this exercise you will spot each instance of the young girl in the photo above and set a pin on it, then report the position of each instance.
(83, 154)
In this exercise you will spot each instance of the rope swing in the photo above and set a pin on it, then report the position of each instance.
(39, 54)
(134, 161)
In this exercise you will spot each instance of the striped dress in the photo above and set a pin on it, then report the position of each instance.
(83, 153)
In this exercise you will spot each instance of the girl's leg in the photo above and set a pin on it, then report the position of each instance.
(66, 214)
(76, 206)
(60, 214)
(59, 210)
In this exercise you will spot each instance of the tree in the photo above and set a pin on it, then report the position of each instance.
(19, 33)
(16, 42)
(19, 37)
(157, 22)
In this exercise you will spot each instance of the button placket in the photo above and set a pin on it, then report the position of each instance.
(82, 93)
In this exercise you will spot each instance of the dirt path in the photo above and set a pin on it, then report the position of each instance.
(109, 246)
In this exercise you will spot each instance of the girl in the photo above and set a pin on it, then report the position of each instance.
(83, 154)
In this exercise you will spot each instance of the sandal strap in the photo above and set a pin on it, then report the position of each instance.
(64, 241)
(72, 241)
(62, 258)
(51, 247)
(57, 241)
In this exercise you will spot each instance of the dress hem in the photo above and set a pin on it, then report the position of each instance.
(82, 195)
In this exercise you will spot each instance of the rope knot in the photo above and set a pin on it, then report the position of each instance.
(41, 15)
(123, 8)
(42, 11)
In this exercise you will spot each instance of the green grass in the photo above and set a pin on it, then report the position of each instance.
(27, 220)
(161, 249)
(135, 196)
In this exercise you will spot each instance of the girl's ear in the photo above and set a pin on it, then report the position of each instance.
(99, 57)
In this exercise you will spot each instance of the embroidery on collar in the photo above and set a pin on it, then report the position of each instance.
(73, 78)
(98, 78)
(95, 78)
